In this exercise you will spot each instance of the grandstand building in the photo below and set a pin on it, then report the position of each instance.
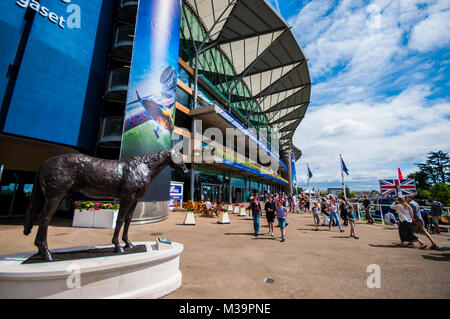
(65, 89)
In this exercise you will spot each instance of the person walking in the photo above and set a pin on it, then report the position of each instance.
(343, 204)
(270, 214)
(405, 229)
(333, 209)
(281, 215)
(324, 210)
(316, 215)
(366, 204)
(419, 225)
(436, 212)
(352, 221)
(255, 206)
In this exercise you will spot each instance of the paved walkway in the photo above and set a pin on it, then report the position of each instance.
(227, 261)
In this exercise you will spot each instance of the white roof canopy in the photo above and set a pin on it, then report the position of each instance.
(265, 56)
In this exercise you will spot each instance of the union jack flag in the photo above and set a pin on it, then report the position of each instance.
(398, 187)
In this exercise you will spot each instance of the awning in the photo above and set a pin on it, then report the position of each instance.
(265, 56)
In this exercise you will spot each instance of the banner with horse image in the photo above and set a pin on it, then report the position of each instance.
(150, 107)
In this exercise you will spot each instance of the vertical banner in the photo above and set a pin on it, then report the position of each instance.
(150, 110)
(294, 174)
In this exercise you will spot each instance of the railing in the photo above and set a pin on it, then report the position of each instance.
(378, 212)
(117, 88)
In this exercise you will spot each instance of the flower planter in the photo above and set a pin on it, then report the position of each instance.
(242, 211)
(83, 218)
(103, 218)
(236, 209)
(224, 218)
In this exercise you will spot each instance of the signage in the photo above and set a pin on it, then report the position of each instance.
(176, 194)
(73, 20)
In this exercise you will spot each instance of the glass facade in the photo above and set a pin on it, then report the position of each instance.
(219, 71)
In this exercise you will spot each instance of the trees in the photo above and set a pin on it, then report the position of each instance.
(441, 193)
(433, 177)
(436, 168)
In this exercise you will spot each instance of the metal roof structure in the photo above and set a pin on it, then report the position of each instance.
(265, 58)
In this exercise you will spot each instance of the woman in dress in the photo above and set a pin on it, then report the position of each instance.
(405, 227)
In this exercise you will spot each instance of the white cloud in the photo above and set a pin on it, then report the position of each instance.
(431, 33)
(373, 138)
(355, 70)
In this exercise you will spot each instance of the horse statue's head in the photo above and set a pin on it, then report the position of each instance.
(177, 161)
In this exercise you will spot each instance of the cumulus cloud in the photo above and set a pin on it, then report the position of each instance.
(373, 138)
(372, 96)
(431, 33)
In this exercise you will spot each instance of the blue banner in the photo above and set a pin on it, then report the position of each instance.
(294, 173)
(150, 111)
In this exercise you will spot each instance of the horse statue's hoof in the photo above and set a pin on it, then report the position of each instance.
(45, 255)
(118, 250)
(128, 245)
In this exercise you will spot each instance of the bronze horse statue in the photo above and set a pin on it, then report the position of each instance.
(127, 180)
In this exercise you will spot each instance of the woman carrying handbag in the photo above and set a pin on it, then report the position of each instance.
(405, 227)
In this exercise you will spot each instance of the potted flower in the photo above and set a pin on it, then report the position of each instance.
(242, 211)
(95, 214)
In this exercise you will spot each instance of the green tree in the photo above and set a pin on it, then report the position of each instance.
(423, 194)
(421, 179)
(441, 192)
(436, 167)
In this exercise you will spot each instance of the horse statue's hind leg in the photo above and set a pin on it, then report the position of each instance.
(125, 205)
(128, 218)
(49, 209)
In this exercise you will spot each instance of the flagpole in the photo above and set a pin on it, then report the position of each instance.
(342, 176)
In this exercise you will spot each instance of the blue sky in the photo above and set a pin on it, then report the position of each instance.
(381, 84)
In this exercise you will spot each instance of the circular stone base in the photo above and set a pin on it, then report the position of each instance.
(154, 273)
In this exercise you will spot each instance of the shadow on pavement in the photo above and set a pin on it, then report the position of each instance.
(266, 238)
(240, 234)
(438, 257)
(18, 221)
(394, 245)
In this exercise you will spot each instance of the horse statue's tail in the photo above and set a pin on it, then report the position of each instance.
(34, 207)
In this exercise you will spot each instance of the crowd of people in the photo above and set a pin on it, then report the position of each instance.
(333, 209)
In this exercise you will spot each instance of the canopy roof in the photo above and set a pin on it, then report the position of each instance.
(269, 70)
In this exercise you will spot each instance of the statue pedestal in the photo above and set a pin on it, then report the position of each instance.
(154, 273)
